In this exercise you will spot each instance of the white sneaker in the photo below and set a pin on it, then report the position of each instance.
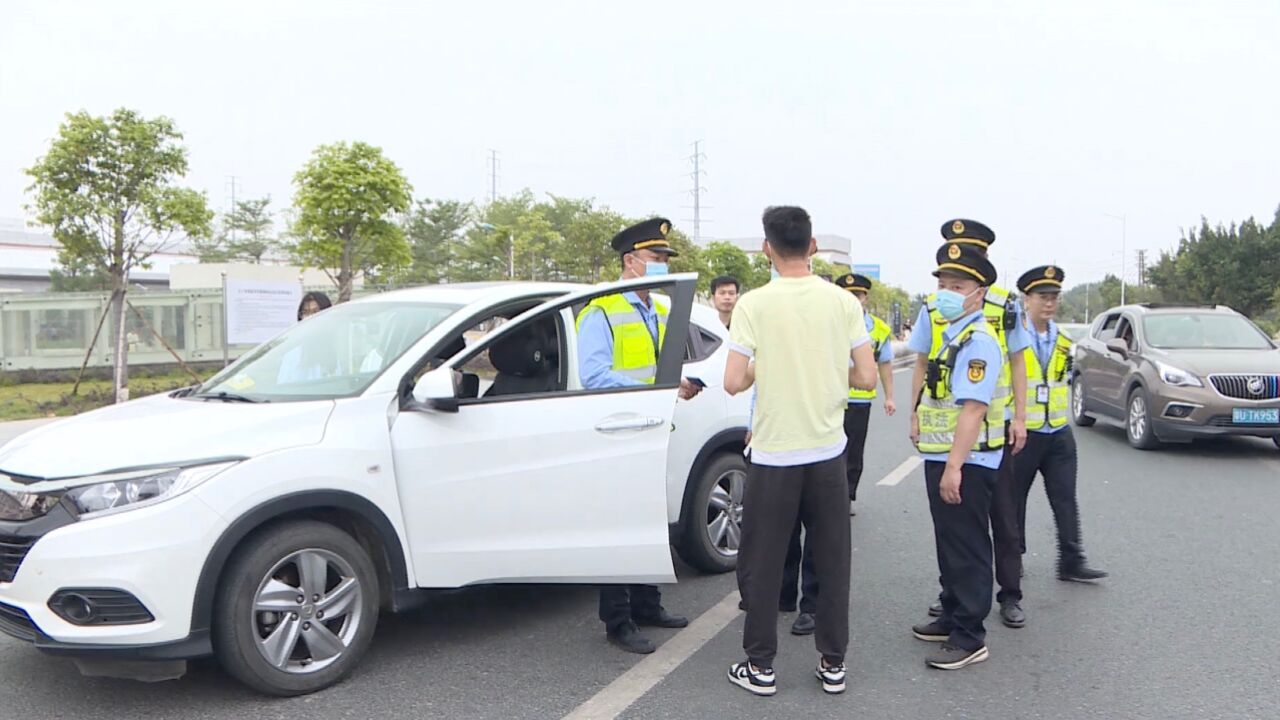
(753, 680)
(832, 677)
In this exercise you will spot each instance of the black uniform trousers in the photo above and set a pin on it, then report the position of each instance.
(817, 495)
(1006, 530)
(799, 568)
(620, 604)
(963, 538)
(1053, 455)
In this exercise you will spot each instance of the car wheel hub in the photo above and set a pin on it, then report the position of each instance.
(1137, 418)
(307, 611)
(724, 512)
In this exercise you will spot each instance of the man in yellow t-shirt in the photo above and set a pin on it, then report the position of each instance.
(810, 344)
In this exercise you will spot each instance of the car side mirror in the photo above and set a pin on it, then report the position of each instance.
(1119, 347)
(435, 391)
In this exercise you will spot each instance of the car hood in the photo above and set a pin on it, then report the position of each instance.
(160, 430)
(1208, 362)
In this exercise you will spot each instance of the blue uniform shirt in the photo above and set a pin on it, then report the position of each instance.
(595, 346)
(886, 355)
(1018, 339)
(1044, 343)
(981, 347)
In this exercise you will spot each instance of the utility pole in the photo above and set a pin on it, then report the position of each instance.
(1142, 268)
(698, 173)
(1124, 242)
(232, 179)
(493, 176)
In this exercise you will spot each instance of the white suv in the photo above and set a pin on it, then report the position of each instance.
(429, 438)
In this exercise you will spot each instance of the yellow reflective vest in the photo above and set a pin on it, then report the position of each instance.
(938, 412)
(1049, 389)
(1000, 315)
(880, 333)
(635, 354)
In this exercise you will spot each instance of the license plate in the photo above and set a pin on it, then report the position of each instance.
(1255, 416)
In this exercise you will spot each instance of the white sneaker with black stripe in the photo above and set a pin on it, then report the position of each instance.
(754, 680)
(832, 677)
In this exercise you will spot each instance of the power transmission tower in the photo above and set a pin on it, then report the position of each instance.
(493, 176)
(1142, 268)
(698, 173)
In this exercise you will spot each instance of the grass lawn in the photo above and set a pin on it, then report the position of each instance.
(36, 400)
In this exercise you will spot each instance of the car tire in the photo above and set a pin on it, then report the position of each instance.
(310, 652)
(1137, 422)
(1276, 440)
(712, 529)
(1078, 415)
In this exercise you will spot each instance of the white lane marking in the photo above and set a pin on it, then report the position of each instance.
(630, 686)
(900, 472)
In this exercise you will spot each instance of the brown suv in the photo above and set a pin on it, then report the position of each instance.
(1176, 372)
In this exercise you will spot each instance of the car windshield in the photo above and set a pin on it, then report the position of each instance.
(336, 353)
(1204, 330)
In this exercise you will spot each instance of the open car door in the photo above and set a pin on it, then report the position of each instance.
(531, 477)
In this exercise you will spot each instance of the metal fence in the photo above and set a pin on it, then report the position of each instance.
(49, 331)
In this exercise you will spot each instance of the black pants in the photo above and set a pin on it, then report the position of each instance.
(817, 494)
(1054, 457)
(799, 567)
(856, 419)
(1005, 528)
(619, 604)
(963, 538)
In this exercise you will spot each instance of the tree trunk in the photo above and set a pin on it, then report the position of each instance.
(345, 272)
(121, 354)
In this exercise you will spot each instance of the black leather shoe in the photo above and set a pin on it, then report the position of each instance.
(805, 624)
(1011, 614)
(1084, 573)
(935, 610)
(628, 638)
(742, 605)
(663, 619)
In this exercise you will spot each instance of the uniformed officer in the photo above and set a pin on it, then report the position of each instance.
(799, 567)
(1004, 318)
(619, 338)
(1051, 448)
(961, 434)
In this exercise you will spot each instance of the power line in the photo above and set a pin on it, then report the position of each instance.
(698, 173)
(493, 176)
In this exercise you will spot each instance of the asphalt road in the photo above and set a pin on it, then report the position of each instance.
(1189, 533)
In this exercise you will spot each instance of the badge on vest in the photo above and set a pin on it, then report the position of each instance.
(977, 370)
(1042, 393)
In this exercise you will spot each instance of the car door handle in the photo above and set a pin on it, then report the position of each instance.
(641, 423)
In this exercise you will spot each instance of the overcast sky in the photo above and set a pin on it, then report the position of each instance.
(882, 118)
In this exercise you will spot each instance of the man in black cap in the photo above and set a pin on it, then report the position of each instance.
(1004, 319)
(1051, 448)
(960, 433)
(619, 339)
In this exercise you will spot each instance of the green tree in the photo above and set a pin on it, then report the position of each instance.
(346, 198)
(724, 258)
(434, 229)
(77, 275)
(1225, 265)
(248, 231)
(107, 188)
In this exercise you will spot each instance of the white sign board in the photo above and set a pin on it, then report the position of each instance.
(258, 311)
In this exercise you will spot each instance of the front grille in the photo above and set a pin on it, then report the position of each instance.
(1247, 387)
(1226, 421)
(16, 623)
(12, 552)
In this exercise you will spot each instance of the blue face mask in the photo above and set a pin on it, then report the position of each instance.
(655, 269)
(950, 304)
(773, 273)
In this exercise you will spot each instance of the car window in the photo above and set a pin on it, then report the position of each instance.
(336, 353)
(1124, 331)
(702, 343)
(1204, 330)
(530, 358)
(1107, 328)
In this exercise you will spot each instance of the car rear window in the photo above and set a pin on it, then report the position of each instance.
(1203, 330)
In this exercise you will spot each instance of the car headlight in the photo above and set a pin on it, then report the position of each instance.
(135, 490)
(1177, 376)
